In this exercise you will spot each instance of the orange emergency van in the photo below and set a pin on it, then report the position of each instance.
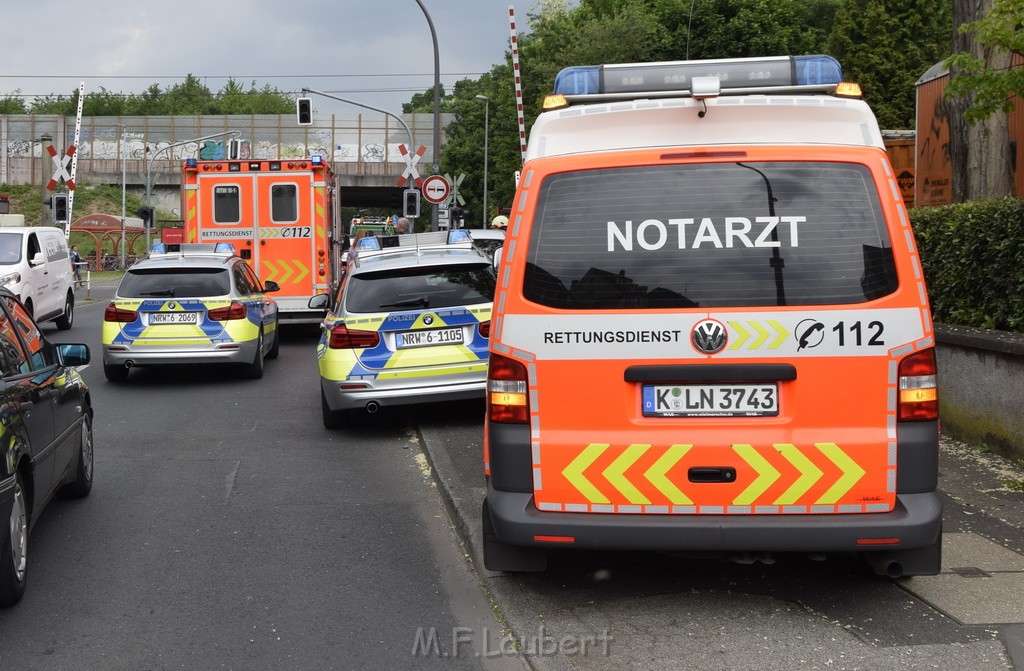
(711, 331)
(281, 216)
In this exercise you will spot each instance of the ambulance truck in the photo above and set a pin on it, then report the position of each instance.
(711, 331)
(282, 217)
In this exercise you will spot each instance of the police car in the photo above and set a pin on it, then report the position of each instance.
(712, 330)
(201, 304)
(410, 323)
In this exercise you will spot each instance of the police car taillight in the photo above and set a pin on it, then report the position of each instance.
(507, 391)
(484, 328)
(234, 311)
(919, 397)
(116, 314)
(344, 338)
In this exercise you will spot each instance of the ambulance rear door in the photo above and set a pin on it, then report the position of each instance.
(286, 236)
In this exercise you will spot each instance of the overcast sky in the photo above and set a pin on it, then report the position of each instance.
(376, 52)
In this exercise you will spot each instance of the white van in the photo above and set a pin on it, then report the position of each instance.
(35, 267)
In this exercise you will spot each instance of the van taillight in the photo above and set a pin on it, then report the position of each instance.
(919, 395)
(484, 328)
(344, 338)
(507, 391)
(234, 311)
(116, 314)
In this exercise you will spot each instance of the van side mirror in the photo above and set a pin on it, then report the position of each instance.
(36, 260)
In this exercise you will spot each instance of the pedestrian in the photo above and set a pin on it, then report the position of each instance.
(76, 259)
(402, 226)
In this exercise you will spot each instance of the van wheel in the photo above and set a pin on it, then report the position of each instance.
(65, 321)
(115, 373)
(499, 556)
(254, 370)
(333, 419)
(28, 308)
(14, 548)
(82, 484)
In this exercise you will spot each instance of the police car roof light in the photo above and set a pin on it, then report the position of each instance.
(157, 248)
(678, 76)
(458, 235)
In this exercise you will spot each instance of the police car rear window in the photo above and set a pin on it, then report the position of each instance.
(175, 283)
(709, 235)
(419, 288)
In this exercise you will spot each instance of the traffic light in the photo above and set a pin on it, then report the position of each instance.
(458, 217)
(411, 203)
(59, 208)
(146, 214)
(304, 111)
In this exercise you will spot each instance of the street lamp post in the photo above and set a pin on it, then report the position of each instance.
(487, 131)
(149, 166)
(436, 166)
(124, 179)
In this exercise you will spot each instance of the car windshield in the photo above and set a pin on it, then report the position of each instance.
(175, 283)
(419, 288)
(10, 248)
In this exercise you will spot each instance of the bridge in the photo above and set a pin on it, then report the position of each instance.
(363, 148)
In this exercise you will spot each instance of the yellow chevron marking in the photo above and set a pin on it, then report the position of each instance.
(744, 335)
(270, 233)
(809, 474)
(852, 472)
(303, 271)
(766, 475)
(656, 474)
(287, 273)
(762, 335)
(574, 472)
(781, 330)
(614, 473)
(271, 274)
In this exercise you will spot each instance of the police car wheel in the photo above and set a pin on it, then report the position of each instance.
(333, 419)
(275, 347)
(115, 373)
(82, 484)
(14, 549)
(254, 370)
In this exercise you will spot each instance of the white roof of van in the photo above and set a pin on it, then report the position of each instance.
(730, 120)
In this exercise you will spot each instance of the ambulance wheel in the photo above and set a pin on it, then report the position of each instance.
(275, 347)
(14, 548)
(115, 373)
(333, 419)
(500, 556)
(65, 321)
(254, 370)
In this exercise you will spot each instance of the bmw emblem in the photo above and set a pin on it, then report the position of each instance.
(171, 305)
(428, 320)
(709, 336)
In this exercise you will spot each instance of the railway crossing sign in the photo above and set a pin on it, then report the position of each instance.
(61, 173)
(436, 189)
(410, 172)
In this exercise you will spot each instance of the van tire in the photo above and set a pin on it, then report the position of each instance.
(65, 321)
(115, 373)
(499, 556)
(29, 309)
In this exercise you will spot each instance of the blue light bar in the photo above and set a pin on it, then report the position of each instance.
(369, 243)
(224, 248)
(459, 235)
(190, 163)
(733, 73)
(317, 159)
(157, 248)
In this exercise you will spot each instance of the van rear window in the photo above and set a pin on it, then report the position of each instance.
(709, 235)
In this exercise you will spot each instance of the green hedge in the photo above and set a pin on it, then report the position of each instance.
(973, 257)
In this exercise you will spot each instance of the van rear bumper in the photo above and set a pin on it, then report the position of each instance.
(916, 521)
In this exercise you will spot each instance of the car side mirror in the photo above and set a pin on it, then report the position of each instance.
(36, 260)
(320, 302)
(271, 286)
(73, 354)
(496, 259)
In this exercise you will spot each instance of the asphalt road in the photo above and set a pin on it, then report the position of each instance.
(228, 529)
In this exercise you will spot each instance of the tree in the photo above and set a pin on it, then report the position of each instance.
(979, 95)
(12, 104)
(885, 46)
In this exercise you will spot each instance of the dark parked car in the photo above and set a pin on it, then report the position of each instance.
(45, 434)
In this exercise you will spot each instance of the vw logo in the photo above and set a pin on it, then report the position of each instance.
(709, 336)
(428, 320)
